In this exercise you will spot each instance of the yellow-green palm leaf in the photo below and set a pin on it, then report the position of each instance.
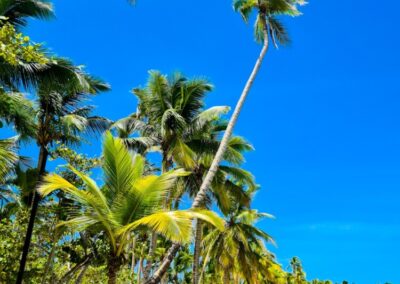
(128, 200)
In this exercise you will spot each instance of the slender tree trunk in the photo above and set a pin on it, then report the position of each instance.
(73, 270)
(140, 270)
(196, 255)
(150, 258)
(133, 257)
(201, 195)
(43, 154)
(113, 267)
(169, 257)
(227, 276)
(112, 274)
(82, 274)
(164, 279)
(49, 263)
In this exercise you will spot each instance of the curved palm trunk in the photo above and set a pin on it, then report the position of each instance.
(43, 154)
(201, 195)
(73, 270)
(82, 274)
(196, 255)
(169, 257)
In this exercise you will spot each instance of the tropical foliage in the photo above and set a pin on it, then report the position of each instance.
(122, 216)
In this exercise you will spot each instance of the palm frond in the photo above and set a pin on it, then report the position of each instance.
(118, 168)
(18, 11)
(175, 225)
(19, 111)
(278, 32)
(245, 7)
(8, 156)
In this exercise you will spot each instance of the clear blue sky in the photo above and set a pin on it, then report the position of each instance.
(323, 114)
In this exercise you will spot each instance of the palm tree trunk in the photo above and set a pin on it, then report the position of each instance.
(196, 255)
(201, 195)
(150, 258)
(43, 154)
(164, 279)
(49, 263)
(133, 260)
(113, 267)
(169, 257)
(73, 270)
(140, 270)
(54, 239)
(82, 274)
(227, 276)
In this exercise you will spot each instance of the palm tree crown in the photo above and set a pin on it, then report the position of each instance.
(239, 251)
(267, 22)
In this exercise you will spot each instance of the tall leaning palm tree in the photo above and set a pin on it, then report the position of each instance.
(129, 200)
(61, 116)
(267, 28)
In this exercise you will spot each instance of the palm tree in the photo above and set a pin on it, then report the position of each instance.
(169, 106)
(169, 112)
(267, 27)
(14, 107)
(238, 249)
(297, 276)
(60, 116)
(127, 201)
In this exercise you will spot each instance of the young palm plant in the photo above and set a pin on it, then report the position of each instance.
(128, 201)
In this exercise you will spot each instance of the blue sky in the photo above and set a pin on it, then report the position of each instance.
(323, 113)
